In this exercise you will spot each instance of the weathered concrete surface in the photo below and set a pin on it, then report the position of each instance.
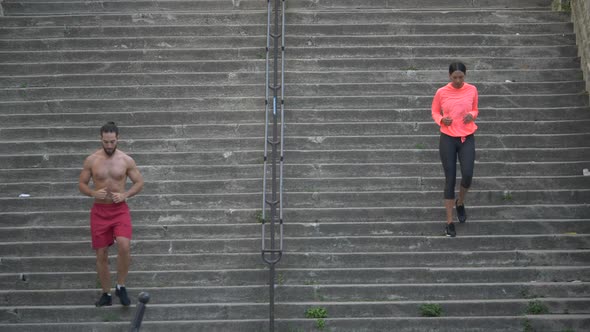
(363, 188)
(580, 10)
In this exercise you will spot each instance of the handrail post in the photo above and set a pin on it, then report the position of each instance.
(143, 298)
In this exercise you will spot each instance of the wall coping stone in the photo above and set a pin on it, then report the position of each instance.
(580, 14)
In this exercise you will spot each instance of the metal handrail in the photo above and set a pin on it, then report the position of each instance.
(272, 255)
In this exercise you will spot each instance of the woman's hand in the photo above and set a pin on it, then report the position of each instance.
(468, 118)
(447, 121)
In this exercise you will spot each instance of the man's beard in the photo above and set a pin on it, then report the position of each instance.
(111, 153)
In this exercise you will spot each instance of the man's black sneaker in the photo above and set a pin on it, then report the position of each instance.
(122, 294)
(461, 215)
(105, 300)
(450, 230)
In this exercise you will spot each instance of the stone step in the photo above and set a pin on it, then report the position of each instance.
(360, 115)
(187, 117)
(304, 293)
(117, 31)
(254, 310)
(369, 89)
(117, 92)
(207, 66)
(437, 77)
(139, 130)
(305, 200)
(250, 259)
(550, 322)
(317, 143)
(146, 130)
(12, 60)
(156, 42)
(295, 230)
(326, 109)
(201, 110)
(345, 244)
(405, 104)
(241, 18)
(401, 51)
(255, 17)
(433, 76)
(229, 215)
(387, 102)
(19, 7)
(162, 55)
(52, 114)
(416, 155)
(163, 42)
(502, 171)
(97, 79)
(248, 90)
(421, 4)
(245, 185)
(15, 8)
(393, 28)
(409, 65)
(310, 277)
(320, 30)
(387, 142)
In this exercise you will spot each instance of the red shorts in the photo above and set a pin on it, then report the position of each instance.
(107, 221)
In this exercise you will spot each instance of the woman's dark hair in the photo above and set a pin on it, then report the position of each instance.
(109, 127)
(457, 66)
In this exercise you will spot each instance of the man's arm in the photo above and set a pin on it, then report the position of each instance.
(84, 180)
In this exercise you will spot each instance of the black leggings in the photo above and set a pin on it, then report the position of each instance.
(449, 147)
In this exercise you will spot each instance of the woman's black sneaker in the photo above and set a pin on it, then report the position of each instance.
(105, 300)
(122, 294)
(461, 215)
(450, 230)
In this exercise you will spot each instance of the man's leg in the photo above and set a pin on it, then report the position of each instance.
(123, 261)
(102, 268)
(104, 276)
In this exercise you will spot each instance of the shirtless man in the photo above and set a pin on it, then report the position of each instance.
(110, 219)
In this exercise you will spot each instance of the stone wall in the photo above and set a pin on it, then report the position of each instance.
(581, 17)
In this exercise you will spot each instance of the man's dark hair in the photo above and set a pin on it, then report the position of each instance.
(109, 127)
(457, 66)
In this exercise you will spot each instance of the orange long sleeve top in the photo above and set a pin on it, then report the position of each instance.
(456, 103)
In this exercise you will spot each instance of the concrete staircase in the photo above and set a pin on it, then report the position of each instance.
(364, 220)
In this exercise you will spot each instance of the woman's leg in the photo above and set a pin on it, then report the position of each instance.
(449, 205)
(462, 193)
(467, 162)
(448, 157)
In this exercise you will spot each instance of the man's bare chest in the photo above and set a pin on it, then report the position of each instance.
(104, 170)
